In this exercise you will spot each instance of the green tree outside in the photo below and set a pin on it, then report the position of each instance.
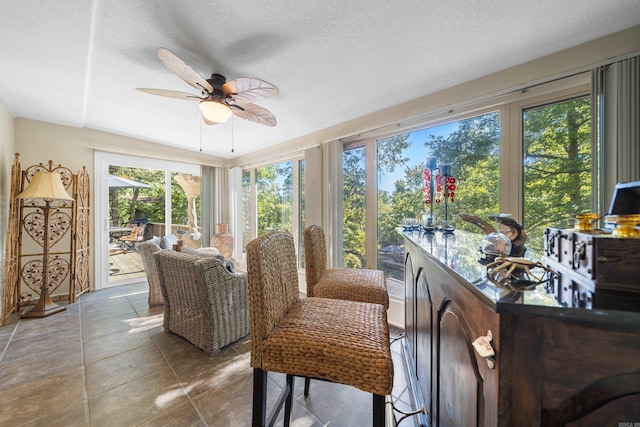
(557, 166)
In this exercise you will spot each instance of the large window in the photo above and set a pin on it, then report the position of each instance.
(354, 207)
(470, 146)
(272, 200)
(301, 210)
(527, 154)
(274, 185)
(247, 217)
(557, 165)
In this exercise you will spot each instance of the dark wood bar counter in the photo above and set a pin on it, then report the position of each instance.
(553, 365)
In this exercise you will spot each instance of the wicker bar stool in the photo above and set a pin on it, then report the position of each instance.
(353, 284)
(345, 342)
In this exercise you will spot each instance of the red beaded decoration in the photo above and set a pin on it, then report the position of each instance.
(442, 190)
(450, 190)
(445, 188)
(427, 186)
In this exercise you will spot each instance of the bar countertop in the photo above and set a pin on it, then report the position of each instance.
(459, 255)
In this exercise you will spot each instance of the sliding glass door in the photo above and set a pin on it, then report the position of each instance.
(136, 212)
(137, 199)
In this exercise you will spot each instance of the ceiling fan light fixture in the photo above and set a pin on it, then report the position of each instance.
(215, 111)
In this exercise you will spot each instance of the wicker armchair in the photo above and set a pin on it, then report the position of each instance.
(345, 342)
(353, 284)
(204, 302)
(146, 251)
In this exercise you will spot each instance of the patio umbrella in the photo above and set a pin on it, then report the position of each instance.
(116, 182)
(119, 182)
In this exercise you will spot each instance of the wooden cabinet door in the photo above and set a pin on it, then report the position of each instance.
(410, 307)
(424, 341)
(460, 390)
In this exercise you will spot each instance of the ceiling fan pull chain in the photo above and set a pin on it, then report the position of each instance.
(200, 123)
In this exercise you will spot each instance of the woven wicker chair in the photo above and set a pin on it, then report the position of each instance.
(353, 284)
(204, 302)
(341, 341)
(146, 251)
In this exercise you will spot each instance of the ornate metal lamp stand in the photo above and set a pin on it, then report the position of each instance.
(47, 186)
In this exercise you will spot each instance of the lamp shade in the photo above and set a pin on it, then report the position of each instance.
(45, 185)
(215, 111)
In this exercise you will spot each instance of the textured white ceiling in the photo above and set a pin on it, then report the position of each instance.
(77, 62)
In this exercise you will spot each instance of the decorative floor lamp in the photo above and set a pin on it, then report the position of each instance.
(47, 186)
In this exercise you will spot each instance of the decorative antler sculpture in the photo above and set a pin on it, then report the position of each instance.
(508, 226)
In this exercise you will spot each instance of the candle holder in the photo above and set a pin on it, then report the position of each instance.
(625, 225)
(584, 221)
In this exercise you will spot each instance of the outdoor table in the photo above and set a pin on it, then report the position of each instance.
(117, 232)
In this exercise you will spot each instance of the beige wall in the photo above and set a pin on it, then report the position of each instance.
(73, 147)
(39, 142)
(6, 159)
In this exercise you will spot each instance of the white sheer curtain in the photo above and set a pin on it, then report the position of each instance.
(617, 108)
(332, 194)
(235, 210)
(215, 200)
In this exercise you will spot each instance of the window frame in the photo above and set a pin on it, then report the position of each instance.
(510, 107)
(296, 231)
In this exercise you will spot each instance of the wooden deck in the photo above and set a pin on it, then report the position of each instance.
(124, 265)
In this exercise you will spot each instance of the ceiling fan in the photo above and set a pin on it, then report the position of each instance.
(219, 98)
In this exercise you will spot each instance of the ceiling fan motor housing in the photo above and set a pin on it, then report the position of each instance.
(216, 81)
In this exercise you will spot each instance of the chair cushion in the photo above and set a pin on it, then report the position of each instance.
(345, 342)
(354, 284)
(156, 241)
(209, 252)
(168, 241)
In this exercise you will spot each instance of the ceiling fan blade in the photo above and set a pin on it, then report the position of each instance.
(254, 113)
(182, 70)
(246, 89)
(170, 93)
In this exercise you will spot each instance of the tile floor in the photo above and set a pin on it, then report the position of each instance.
(106, 361)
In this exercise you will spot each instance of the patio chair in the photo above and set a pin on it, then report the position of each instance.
(345, 342)
(203, 302)
(131, 241)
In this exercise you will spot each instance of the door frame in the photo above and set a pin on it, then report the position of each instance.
(102, 160)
